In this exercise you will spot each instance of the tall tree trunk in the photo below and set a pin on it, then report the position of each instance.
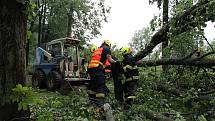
(176, 2)
(13, 27)
(165, 22)
(40, 24)
(70, 21)
(43, 24)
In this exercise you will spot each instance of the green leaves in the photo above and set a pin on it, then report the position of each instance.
(29, 34)
(201, 118)
(20, 94)
(31, 6)
(141, 38)
(25, 97)
(61, 108)
(81, 17)
(56, 104)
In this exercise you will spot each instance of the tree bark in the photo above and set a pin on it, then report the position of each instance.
(70, 21)
(165, 43)
(117, 78)
(43, 40)
(179, 61)
(180, 23)
(40, 24)
(176, 2)
(13, 28)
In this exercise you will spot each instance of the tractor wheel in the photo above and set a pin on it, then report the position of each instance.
(53, 80)
(38, 78)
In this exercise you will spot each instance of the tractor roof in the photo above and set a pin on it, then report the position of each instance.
(66, 41)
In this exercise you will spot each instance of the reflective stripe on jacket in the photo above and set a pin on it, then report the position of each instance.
(131, 73)
(95, 59)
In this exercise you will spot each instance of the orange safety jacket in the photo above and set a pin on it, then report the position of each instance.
(107, 63)
(95, 59)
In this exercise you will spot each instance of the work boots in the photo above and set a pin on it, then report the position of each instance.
(128, 103)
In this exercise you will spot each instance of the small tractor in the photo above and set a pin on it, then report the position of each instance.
(59, 65)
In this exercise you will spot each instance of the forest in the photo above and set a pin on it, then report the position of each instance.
(176, 62)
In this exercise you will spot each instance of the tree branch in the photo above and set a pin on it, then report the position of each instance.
(189, 56)
(207, 54)
(187, 60)
(208, 43)
(180, 24)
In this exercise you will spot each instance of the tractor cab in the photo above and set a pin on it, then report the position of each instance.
(59, 61)
(60, 47)
(66, 52)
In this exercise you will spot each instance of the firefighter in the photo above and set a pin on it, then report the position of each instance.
(96, 66)
(107, 69)
(107, 63)
(131, 76)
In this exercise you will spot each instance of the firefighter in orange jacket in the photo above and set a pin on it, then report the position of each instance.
(96, 71)
(131, 76)
(107, 64)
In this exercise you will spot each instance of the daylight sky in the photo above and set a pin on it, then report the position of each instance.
(128, 16)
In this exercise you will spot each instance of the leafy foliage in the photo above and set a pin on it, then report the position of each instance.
(185, 93)
(24, 96)
(85, 16)
(141, 38)
(186, 106)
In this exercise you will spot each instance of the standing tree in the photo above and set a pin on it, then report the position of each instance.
(165, 3)
(165, 22)
(13, 28)
(81, 17)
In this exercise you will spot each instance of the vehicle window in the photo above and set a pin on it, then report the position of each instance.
(72, 52)
(56, 49)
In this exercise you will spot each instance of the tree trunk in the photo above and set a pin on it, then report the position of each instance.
(40, 25)
(70, 21)
(43, 24)
(165, 43)
(179, 61)
(13, 28)
(117, 79)
(176, 2)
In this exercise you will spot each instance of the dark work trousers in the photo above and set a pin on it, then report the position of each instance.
(97, 82)
(129, 88)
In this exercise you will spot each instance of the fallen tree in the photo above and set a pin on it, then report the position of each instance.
(179, 61)
(194, 17)
(200, 61)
